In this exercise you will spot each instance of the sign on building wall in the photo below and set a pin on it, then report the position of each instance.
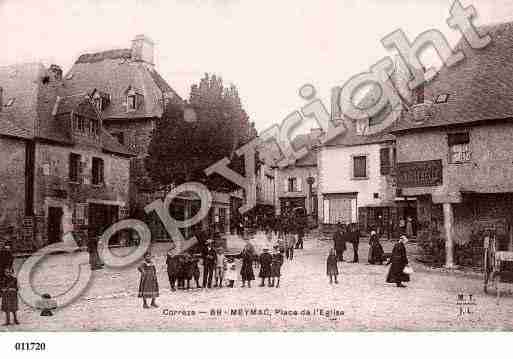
(419, 174)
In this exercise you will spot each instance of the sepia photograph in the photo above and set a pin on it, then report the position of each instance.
(244, 166)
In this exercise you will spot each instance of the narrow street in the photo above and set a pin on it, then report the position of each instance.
(428, 303)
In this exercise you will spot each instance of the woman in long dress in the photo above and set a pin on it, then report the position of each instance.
(148, 285)
(246, 271)
(376, 250)
(399, 261)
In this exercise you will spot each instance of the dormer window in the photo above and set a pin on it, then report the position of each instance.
(442, 98)
(134, 100)
(86, 126)
(101, 100)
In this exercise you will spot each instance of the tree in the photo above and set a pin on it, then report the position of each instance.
(180, 151)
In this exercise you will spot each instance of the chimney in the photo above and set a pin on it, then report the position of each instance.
(55, 72)
(142, 49)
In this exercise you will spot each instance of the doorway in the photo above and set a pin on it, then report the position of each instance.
(54, 224)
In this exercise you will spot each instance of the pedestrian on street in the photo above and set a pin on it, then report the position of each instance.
(220, 268)
(277, 262)
(290, 239)
(6, 261)
(354, 237)
(375, 249)
(409, 227)
(246, 270)
(173, 267)
(300, 236)
(182, 271)
(331, 266)
(191, 270)
(265, 267)
(94, 258)
(231, 273)
(399, 261)
(209, 265)
(10, 296)
(339, 242)
(148, 285)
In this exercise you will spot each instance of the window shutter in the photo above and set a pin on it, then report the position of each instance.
(286, 185)
(384, 157)
(299, 184)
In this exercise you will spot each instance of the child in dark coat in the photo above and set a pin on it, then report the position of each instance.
(331, 266)
(194, 272)
(10, 296)
(265, 267)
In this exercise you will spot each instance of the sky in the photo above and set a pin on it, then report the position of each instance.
(268, 49)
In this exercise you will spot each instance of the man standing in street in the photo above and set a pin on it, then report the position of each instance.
(339, 243)
(209, 265)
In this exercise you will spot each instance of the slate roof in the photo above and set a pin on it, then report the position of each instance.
(7, 128)
(41, 111)
(480, 87)
(114, 72)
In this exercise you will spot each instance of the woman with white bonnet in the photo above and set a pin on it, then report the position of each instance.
(399, 260)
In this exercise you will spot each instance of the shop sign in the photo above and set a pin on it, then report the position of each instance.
(419, 174)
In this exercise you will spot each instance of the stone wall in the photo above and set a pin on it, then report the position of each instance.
(12, 189)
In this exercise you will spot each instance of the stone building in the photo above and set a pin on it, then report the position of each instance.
(296, 184)
(64, 172)
(454, 151)
(130, 94)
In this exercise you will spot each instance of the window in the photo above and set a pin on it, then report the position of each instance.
(120, 136)
(97, 171)
(86, 126)
(341, 209)
(459, 147)
(292, 186)
(384, 161)
(360, 167)
(74, 167)
(131, 102)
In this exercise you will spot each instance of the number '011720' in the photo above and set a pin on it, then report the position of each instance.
(30, 346)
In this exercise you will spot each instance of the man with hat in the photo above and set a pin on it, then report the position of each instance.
(209, 264)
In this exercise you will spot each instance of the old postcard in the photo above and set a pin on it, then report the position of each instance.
(231, 165)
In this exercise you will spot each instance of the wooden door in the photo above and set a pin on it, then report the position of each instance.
(54, 224)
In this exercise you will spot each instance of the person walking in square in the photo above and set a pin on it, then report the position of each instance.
(231, 272)
(339, 242)
(192, 270)
(246, 270)
(399, 261)
(265, 267)
(6, 261)
(375, 250)
(220, 268)
(148, 285)
(290, 239)
(209, 265)
(276, 263)
(10, 296)
(332, 266)
(173, 267)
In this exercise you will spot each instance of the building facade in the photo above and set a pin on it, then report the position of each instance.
(296, 184)
(67, 173)
(454, 150)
